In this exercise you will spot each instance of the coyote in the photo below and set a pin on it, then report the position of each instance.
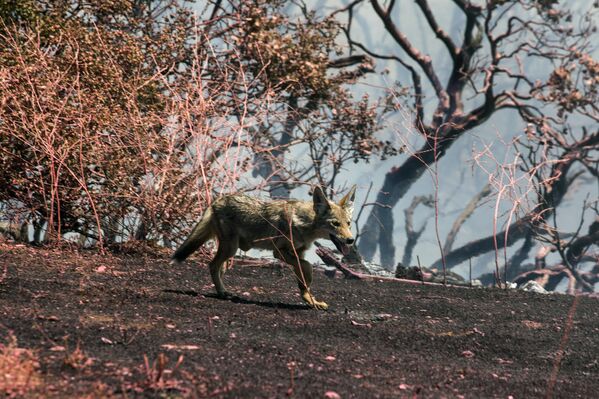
(287, 227)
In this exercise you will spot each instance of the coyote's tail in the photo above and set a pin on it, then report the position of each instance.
(201, 233)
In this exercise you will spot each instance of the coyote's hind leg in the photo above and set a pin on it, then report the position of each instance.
(226, 249)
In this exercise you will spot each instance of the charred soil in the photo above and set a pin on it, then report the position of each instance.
(135, 326)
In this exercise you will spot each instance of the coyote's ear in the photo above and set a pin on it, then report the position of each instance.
(321, 203)
(348, 200)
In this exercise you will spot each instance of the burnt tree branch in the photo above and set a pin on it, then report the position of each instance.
(411, 234)
(466, 213)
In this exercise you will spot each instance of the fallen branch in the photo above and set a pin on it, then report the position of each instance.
(329, 258)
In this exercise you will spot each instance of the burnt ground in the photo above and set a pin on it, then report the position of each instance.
(133, 326)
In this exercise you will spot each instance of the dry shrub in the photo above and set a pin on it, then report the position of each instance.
(19, 373)
(156, 376)
(77, 359)
(97, 146)
(121, 120)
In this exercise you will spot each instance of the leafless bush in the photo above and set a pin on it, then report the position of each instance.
(122, 122)
(83, 153)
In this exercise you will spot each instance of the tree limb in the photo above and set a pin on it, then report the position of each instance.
(440, 33)
(466, 213)
(422, 60)
(413, 235)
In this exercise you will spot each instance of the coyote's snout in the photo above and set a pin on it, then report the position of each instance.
(287, 227)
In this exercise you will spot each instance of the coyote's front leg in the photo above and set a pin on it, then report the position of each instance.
(303, 271)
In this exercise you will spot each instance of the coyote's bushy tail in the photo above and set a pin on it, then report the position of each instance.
(201, 233)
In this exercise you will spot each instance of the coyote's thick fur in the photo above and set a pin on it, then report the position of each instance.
(287, 227)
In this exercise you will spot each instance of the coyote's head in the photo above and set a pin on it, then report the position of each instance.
(335, 218)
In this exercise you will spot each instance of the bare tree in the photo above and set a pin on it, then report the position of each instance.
(554, 159)
(487, 75)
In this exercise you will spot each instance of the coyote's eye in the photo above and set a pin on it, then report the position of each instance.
(335, 223)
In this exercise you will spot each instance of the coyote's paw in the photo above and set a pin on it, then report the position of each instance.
(312, 302)
(224, 295)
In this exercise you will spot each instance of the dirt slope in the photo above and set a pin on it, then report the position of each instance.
(136, 327)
